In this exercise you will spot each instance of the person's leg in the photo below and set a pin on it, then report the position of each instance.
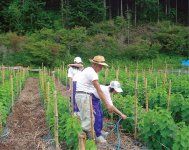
(98, 125)
(75, 108)
(83, 103)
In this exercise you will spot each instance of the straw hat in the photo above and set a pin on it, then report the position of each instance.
(99, 60)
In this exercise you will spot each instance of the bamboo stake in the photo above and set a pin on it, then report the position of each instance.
(117, 74)
(126, 69)
(146, 93)
(82, 141)
(105, 75)
(136, 104)
(63, 67)
(48, 97)
(179, 72)
(152, 65)
(92, 119)
(164, 80)
(56, 121)
(12, 93)
(1, 124)
(20, 80)
(111, 114)
(169, 96)
(3, 75)
(66, 79)
(58, 75)
(53, 77)
(17, 88)
(45, 86)
(156, 82)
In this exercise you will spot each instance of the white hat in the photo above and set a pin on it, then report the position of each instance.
(116, 86)
(77, 60)
(99, 60)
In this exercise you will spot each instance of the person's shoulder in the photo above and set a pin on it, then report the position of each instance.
(89, 69)
(104, 87)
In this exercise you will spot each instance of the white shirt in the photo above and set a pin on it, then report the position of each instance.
(84, 80)
(105, 90)
(72, 72)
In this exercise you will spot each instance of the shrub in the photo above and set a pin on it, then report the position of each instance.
(181, 139)
(174, 39)
(142, 50)
(157, 126)
(101, 44)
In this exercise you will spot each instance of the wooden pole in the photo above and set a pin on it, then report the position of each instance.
(45, 86)
(136, 105)
(56, 121)
(48, 97)
(126, 69)
(1, 124)
(146, 93)
(92, 119)
(164, 80)
(53, 77)
(82, 141)
(117, 74)
(106, 75)
(169, 96)
(3, 75)
(63, 67)
(179, 72)
(111, 114)
(17, 87)
(12, 93)
(156, 82)
(20, 80)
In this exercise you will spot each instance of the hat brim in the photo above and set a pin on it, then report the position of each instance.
(103, 64)
(119, 90)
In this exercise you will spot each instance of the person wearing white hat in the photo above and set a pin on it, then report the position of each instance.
(73, 70)
(113, 88)
(87, 82)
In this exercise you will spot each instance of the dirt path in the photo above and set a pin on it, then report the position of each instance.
(62, 89)
(26, 124)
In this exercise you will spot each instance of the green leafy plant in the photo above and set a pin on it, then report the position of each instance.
(157, 127)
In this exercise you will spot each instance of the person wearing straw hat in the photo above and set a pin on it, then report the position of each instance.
(113, 88)
(87, 82)
(73, 70)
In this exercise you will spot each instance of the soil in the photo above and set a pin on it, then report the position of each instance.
(26, 124)
(127, 141)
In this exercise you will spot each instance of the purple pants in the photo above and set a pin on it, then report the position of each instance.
(75, 108)
(98, 114)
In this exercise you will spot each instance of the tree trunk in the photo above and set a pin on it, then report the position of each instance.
(188, 15)
(135, 13)
(158, 10)
(104, 9)
(128, 18)
(121, 8)
(166, 7)
(62, 12)
(117, 7)
(110, 10)
(176, 12)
